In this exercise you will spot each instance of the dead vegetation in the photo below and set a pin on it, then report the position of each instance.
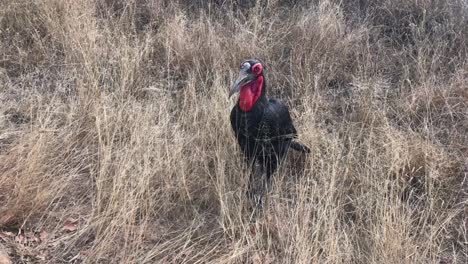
(115, 144)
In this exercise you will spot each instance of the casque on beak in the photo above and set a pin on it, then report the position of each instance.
(243, 79)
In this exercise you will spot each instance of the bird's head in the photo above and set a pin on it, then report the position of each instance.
(250, 70)
(249, 83)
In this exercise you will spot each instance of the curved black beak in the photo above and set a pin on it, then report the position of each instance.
(243, 79)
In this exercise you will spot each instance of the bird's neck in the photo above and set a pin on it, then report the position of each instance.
(251, 93)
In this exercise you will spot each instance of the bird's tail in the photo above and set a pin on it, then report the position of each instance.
(300, 147)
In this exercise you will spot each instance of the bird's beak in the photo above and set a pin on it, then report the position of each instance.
(243, 79)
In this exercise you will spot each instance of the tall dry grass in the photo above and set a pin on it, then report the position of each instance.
(115, 115)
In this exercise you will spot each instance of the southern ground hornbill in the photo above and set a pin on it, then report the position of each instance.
(262, 126)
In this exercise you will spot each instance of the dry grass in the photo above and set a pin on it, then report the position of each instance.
(115, 114)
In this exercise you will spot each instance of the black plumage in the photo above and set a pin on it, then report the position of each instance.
(265, 132)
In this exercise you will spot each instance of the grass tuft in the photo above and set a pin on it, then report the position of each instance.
(116, 146)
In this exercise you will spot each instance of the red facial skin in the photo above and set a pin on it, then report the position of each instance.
(250, 92)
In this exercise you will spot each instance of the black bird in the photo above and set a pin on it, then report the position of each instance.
(262, 126)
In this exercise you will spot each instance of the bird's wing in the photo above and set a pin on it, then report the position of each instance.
(277, 121)
(234, 121)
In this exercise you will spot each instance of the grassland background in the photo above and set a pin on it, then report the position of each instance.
(114, 116)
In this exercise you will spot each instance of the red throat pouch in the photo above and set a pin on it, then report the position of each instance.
(250, 93)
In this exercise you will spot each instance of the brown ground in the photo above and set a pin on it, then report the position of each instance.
(116, 146)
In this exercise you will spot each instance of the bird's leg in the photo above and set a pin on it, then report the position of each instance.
(251, 179)
(251, 186)
(256, 185)
(272, 163)
(261, 184)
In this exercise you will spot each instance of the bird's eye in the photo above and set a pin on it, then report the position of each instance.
(257, 69)
(245, 66)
